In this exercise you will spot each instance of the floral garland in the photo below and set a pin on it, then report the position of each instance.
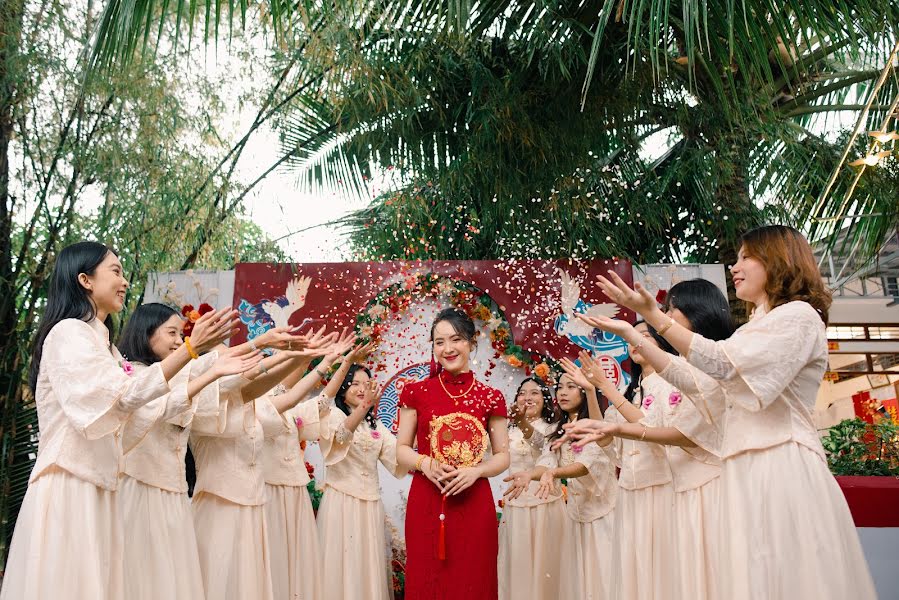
(396, 299)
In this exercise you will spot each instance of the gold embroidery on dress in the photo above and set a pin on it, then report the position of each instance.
(460, 452)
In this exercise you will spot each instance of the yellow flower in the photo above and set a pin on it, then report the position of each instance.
(541, 370)
(514, 361)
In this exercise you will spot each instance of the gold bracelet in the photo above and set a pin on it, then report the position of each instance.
(644, 432)
(661, 330)
(190, 349)
(420, 460)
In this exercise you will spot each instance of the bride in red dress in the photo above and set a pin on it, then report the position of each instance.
(451, 527)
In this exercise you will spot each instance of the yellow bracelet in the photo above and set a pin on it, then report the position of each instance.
(420, 460)
(661, 330)
(190, 349)
(644, 432)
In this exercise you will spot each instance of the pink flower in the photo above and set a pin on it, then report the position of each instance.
(375, 434)
(648, 400)
(128, 368)
(674, 399)
(299, 421)
(577, 449)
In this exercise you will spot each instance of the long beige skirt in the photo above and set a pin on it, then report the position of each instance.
(529, 562)
(586, 559)
(293, 544)
(161, 559)
(67, 542)
(786, 532)
(696, 521)
(233, 547)
(642, 564)
(353, 542)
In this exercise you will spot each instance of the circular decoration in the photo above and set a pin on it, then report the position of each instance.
(395, 300)
(390, 396)
(458, 439)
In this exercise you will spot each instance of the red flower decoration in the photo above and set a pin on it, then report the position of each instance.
(661, 296)
(187, 309)
(205, 308)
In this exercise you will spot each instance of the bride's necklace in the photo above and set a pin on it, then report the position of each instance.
(454, 396)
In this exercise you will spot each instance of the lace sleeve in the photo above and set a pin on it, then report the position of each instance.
(342, 435)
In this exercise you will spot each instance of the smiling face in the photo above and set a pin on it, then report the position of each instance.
(569, 394)
(167, 337)
(750, 278)
(530, 400)
(106, 287)
(356, 392)
(451, 350)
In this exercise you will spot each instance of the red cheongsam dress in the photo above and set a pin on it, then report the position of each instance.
(453, 413)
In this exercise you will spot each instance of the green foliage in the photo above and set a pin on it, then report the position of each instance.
(124, 158)
(315, 495)
(855, 447)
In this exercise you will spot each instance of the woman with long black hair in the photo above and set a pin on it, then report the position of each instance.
(69, 539)
(351, 518)
(690, 438)
(161, 559)
(584, 544)
(451, 534)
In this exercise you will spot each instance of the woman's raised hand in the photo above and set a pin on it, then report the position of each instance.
(592, 370)
(231, 364)
(638, 298)
(575, 372)
(616, 326)
(280, 338)
(213, 328)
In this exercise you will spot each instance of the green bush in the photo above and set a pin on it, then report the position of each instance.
(855, 447)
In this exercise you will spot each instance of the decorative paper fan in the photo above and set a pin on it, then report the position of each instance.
(458, 439)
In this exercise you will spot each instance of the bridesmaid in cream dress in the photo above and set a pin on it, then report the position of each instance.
(351, 518)
(293, 535)
(786, 529)
(641, 564)
(160, 559)
(529, 561)
(68, 542)
(691, 438)
(585, 543)
(232, 535)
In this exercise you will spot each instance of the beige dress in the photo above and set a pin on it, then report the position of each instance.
(292, 535)
(585, 543)
(229, 517)
(642, 565)
(786, 531)
(695, 472)
(161, 559)
(529, 563)
(68, 541)
(354, 543)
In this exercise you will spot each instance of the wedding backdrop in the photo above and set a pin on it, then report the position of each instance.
(523, 310)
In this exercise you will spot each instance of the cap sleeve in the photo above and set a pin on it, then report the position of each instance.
(409, 396)
(497, 407)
